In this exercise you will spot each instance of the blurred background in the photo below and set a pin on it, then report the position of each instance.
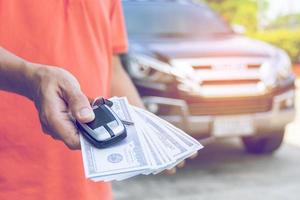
(273, 21)
(226, 72)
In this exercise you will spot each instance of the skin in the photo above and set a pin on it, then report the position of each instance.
(55, 92)
(57, 95)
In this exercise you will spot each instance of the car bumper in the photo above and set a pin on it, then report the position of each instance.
(271, 121)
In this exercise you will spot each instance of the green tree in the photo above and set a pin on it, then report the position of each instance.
(242, 12)
(283, 32)
(284, 38)
(290, 21)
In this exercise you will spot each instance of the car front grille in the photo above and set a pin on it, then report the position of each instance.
(230, 106)
(210, 67)
(230, 82)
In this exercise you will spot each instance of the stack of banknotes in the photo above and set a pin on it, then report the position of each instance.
(151, 146)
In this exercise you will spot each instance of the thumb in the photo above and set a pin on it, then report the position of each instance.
(79, 105)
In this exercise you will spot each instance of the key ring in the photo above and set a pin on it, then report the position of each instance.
(101, 101)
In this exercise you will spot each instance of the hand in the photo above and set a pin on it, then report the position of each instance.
(59, 99)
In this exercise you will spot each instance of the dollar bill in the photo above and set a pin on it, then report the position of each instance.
(151, 146)
(125, 156)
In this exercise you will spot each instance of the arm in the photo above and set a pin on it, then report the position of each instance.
(54, 91)
(122, 85)
(14, 74)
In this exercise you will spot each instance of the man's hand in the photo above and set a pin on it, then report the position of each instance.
(55, 92)
(58, 98)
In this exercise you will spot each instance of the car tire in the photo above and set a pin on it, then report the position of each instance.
(266, 144)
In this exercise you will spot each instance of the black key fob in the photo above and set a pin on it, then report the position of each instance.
(106, 129)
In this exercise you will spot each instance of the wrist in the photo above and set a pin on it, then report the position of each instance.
(30, 73)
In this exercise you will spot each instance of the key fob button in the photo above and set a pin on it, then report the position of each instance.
(112, 125)
(117, 128)
(101, 134)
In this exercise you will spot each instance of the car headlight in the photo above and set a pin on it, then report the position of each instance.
(148, 68)
(283, 64)
(276, 69)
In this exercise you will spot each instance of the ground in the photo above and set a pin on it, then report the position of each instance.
(223, 171)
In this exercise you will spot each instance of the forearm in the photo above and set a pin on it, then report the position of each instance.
(123, 86)
(14, 73)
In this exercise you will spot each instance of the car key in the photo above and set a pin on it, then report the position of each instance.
(106, 129)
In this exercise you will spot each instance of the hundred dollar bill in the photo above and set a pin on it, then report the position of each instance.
(181, 135)
(179, 144)
(151, 146)
(125, 156)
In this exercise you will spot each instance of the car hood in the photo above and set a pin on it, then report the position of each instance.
(205, 47)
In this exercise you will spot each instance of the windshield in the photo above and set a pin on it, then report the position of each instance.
(172, 20)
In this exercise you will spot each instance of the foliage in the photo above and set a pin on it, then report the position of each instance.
(289, 40)
(242, 12)
(246, 13)
(290, 21)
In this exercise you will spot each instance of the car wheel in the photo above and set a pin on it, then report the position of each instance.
(263, 144)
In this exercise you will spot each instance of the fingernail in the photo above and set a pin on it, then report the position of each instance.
(86, 113)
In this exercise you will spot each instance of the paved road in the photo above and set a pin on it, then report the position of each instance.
(223, 171)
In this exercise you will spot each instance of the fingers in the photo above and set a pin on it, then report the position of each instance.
(170, 171)
(181, 164)
(56, 121)
(62, 128)
(194, 155)
(173, 170)
(79, 105)
(58, 94)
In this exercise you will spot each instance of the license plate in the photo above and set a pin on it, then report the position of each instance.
(233, 126)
